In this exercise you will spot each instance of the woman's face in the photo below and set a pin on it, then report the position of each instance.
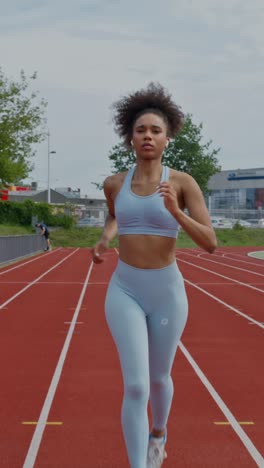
(149, 136)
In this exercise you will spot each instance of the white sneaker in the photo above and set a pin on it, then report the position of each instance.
(156, 452)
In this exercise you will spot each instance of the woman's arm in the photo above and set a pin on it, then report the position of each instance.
(198, 224)
(110, 227)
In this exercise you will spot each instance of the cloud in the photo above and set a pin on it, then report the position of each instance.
(209, 54)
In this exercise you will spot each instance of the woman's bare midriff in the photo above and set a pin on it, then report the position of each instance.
(145, 251)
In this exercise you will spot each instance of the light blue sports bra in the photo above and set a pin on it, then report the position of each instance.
(136, 214)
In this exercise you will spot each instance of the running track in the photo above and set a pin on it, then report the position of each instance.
(61, 387)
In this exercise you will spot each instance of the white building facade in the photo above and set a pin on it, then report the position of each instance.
(239, 190)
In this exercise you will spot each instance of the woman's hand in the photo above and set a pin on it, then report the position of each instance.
(169, 194)
(99, 248)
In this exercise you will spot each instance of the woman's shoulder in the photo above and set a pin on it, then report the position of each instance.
(184, 183)
(114, 181)
(180, 177)
(115, 178)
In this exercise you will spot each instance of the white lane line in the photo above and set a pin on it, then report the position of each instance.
(224, 264)
(42, 282)
(227, 284)
(59, 282)
(36, 280)
(246, 441)
(222, 276)
(74, 331)
(98, 282)
(76, 323)
(32, 260)
(14, 282)
(245, 259)
(235, 259)
(42, 421)
(247, 317)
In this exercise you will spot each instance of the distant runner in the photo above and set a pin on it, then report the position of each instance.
(44, 232)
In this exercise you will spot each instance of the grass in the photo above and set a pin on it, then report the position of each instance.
(242, 237)
(78, 237)
(88, 236)
(14, 230)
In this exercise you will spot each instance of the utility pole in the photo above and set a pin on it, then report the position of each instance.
(49, 153)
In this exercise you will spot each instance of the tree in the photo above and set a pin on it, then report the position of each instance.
(21, 127)
(186, 153)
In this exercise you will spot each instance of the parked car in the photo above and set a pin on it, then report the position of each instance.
(242, 222)
(221, 223)
(257, 223)
(90, 221)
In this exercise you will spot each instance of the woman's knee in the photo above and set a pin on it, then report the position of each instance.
(160, 382)
(137, 391)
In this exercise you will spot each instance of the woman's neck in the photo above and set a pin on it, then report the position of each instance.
(148, 169)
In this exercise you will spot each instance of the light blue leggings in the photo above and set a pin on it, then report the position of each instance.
(146, 311)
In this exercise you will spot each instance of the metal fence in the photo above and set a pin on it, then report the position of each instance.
(235, 213)
(15, 247)
(95, 216)
(92, 216)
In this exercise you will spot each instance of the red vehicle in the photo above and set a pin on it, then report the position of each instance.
(4, 194)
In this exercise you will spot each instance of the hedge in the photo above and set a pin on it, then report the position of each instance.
(21, 213)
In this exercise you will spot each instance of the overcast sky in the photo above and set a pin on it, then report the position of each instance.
(208, 53)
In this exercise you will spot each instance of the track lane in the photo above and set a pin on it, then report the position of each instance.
(247, 300)
(42, 420)
(89, 396)
(242, 259)
(15, 264)
(242, 263)
(229, 351)
(30, 270)
(240, 252)
(31, 338)
(236, 270)
(29, 276)
(224, 275)
(76, 383)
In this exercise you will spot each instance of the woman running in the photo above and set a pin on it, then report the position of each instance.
(146, 304)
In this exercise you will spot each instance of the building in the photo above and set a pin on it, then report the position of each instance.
(237, 193)
(85, 209)
(238, 190)
(69, 192)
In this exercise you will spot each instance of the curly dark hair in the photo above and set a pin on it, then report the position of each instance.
(154, 99)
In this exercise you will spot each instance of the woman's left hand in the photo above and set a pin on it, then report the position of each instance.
(170, 197)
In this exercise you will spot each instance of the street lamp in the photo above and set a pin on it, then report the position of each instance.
(49, 153)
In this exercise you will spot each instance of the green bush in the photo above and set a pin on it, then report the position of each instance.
(238, 227)
(20, 213)
(43, 211)
(16, 213)
(65, 221)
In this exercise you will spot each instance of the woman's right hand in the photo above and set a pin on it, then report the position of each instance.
(99, 248)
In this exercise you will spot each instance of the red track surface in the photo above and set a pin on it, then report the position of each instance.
(53, 337)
